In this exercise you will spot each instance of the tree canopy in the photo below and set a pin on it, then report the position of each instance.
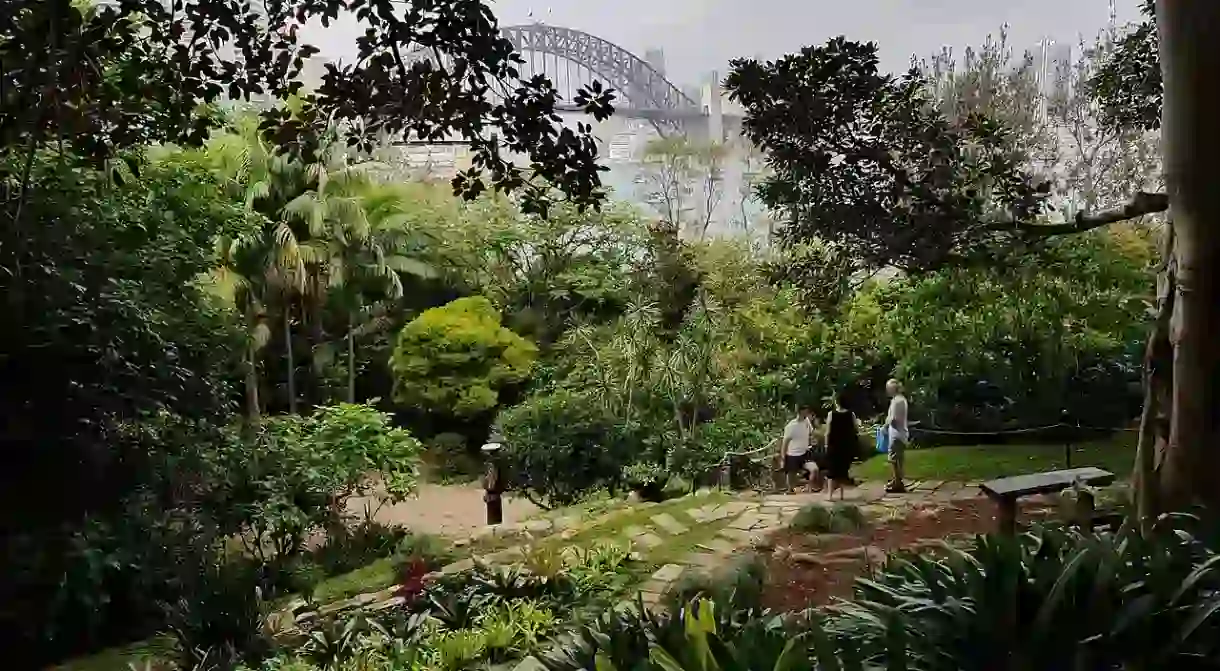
(866, 161)
(457, 358)
(1128, 85)
(102, 78)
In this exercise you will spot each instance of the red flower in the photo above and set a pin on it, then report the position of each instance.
(414, 578)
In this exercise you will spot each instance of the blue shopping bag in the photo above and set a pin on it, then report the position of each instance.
(883, 439)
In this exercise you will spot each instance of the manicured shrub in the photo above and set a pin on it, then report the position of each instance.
(456, 359)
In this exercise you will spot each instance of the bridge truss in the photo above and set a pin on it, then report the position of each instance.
(572, 59)
(560, 53)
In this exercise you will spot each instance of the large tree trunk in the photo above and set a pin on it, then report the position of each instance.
(1190, 62)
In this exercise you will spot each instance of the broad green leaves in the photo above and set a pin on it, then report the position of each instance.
(985, 348)
(1128, 85)
(294, 476)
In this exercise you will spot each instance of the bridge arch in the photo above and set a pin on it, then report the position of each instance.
(637, 81)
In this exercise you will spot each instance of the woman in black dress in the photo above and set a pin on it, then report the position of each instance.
(842, 441)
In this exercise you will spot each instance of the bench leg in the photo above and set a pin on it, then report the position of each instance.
(1006, 515)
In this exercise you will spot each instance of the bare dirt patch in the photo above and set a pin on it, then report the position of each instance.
(448, 510)
(807, 570)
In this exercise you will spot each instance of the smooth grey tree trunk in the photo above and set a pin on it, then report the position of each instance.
(351, 360)
(1190, 63)
(1156, 419)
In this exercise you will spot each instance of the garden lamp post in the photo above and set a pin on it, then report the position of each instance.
(492, 487)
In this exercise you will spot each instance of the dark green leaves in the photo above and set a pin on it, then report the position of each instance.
(1128, 85)
(866, 161)
(96, 79)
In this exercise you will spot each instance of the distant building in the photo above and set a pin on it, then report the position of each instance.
(656, 58)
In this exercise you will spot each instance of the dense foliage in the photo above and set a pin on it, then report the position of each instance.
(1051, 598)
(222, 326)
(1128, 84)
(488, 615)
(566, 444)
(1053, 339)
(458, 358)
(864, 160)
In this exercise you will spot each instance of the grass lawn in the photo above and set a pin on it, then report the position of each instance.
(151, 652)
(371, 578)
(970, 463)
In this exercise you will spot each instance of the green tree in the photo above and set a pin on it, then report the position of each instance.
(866, 161)
(456, 359)
(111, 324)
(262, 269)
(361, 244)
(562, 446)
(548, 274)
(993, 349)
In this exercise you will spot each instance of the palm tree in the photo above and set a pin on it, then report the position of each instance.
(362, 240)
(265, 264)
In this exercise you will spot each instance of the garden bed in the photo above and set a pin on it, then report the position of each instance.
(807, 570)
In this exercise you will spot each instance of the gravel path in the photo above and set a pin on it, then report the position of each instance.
(450, 510)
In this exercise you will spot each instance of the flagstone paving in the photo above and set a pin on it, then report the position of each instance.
(703, 532)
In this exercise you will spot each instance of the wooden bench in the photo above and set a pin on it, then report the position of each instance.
(1006, 491)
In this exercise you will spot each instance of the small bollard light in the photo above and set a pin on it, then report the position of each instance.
(492, 486)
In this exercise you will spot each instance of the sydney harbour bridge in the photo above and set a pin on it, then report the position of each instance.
(572, 59)
(647, 106)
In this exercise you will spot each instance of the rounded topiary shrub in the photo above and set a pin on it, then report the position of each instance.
(456, 359)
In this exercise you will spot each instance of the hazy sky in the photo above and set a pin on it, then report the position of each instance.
(700, 36)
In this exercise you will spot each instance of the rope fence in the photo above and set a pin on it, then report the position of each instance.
(1024, 430)
(729, 455)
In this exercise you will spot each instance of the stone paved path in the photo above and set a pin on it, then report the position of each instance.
(751, 521)
(739, 523)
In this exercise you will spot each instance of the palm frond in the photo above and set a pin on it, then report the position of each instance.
(286, 248)
(410, 266)
(256, 191)
(310, 210)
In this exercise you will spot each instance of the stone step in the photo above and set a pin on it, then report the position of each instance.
(668, 573)
(642, 537)
(718, 545)
(669, 524)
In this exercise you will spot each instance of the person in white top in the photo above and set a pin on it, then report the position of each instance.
(794, 448)
(899, 434)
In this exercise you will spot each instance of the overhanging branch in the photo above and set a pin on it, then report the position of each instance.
(1141, 204)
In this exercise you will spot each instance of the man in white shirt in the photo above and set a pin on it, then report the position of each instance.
(794, 447)
(899, 434)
